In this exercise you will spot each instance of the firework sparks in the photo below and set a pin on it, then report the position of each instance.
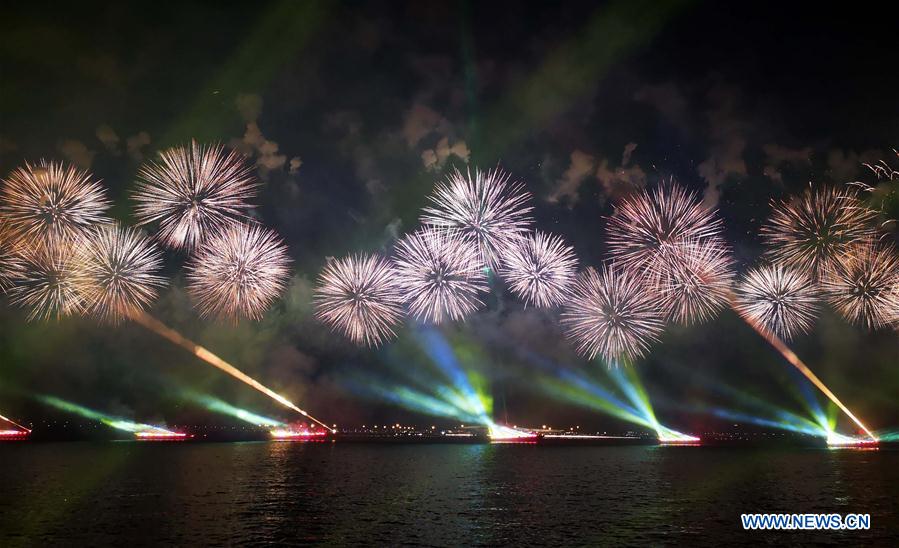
(540, 269)
(44, 281)
(864, 288)
(194, 191)
(611, 314)
(781, 299)
(239, 272)
(117, 272)
(486, 208)
(440, 273)
(815, 231)
(6, 258)
(359, 297)
(695, 283)
(49, 203)
(646, 226)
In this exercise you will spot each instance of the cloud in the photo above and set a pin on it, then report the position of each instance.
(434, 158)
(777, 157)
(726, 130)
(135, 143)
(845, 166)
(77, 152)
(622, 180)
(294, 165)
(419, 121)
(109, 138)
(254, 143)
(566, 188)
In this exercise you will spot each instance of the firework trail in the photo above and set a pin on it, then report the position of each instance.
(486, 208)
(50, 203)
(154, 325)
(864, 287)
(360, 297)
(783, 300)
(117, 272)
(194, 191)
(239, 272)
(612, 315)
(540, 269)
(815, 231)
(44, 280)
(648, 226)
(440, 273)
(694, 280)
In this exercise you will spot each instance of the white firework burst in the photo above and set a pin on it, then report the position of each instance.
(486, 208)
(540, 269)
(49, 203)
(611, 314)
(441, 275)
(118, 272)
(864, 287)
(44, 280)
(695, 282)
(193, 192)
(359, 297)
(238, 273)
(780, 299)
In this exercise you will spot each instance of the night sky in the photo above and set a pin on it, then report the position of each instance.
(352, 111)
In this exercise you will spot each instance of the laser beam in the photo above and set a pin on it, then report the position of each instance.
(149, 322)
(14, 423)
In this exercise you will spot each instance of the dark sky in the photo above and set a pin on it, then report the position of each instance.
(353, 110)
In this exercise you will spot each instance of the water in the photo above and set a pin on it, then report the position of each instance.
(381, 494)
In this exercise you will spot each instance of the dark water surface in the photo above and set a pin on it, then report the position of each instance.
(381, 494)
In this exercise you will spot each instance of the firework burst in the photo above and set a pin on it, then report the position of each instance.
(648, 225)
(44, 281)
(864, 288)
(695, 283)
(815, 231)
(487, 208)
(239, 272)
(49, 203)
(440, 273)
(611, 314)
(360, 297)
(117, 272)
(194, 191)
(780, 299)
(540, 269)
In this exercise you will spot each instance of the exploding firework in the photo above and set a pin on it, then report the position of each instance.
(194, 191)
(440, 274)
(6, 258)
(815, 231)
(540, 269)
(695, 283)
(611, 314)
(486, 208)
(50, 203)
(780, 299)
(44, 281)
(117, 272)
(865, 286)
(360, 297)
(239, 272)
(647, 226)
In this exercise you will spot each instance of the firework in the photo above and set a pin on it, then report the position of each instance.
(194, 191)
(486, 208)
(540, 269)
(44, 281)
(647, 226)
(611, 314)
(780, 299)
(239, 272)
(6, 257)
(815, 231)
(864, 287)
(117, 272)
(359, 297)
(50, 203)
(695, 283)
(440, 274)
